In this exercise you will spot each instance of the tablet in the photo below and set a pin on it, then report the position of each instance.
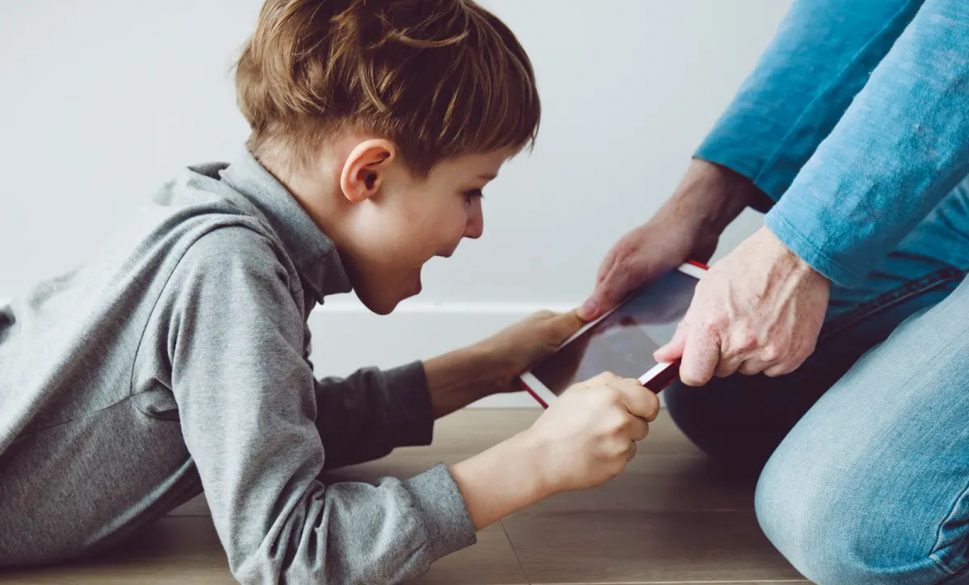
(621, 341)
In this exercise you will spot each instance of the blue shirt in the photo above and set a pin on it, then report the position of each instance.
(856, 123)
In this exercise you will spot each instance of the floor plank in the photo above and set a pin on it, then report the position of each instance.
(777, 582)
(186, 550)
(673, 517)
(172, 550)
(643, 547)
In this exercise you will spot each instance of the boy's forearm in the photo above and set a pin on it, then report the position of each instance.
(501, 480)
(460, 377)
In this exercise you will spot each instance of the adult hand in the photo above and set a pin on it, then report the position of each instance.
(759, 309)
(688, 226)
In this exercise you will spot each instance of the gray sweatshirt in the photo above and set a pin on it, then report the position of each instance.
(178, 361)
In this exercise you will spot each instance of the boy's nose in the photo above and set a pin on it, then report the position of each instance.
(475, 226)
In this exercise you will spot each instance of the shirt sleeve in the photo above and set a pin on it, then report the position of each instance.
(248, 408)
(367, 414)
(370, 412)
(899, 148)
(819, 60)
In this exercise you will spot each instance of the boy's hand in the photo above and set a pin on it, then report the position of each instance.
(581, 441)
(516, 349)
(460, 377)
(588, 435)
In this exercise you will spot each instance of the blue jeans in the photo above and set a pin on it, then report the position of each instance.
(866, 445)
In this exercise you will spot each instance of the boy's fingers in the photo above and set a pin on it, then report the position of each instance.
(640, 401)
(565, 324)
(638, 428)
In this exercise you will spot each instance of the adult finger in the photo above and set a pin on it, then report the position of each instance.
(782, 368)
(701, 354)
(673, 350)
(608, 292)
(726, 367)
(752, 366)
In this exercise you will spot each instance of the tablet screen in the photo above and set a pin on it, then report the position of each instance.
(623, 342)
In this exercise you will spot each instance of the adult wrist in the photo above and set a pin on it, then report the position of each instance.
(711, 195)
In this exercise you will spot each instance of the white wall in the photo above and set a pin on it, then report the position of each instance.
(101, 100)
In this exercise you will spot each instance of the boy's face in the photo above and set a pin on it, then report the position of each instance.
(407, 221)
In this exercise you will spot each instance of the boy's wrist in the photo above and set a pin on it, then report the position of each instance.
(461, 377)
(532, 453)
(502, 480)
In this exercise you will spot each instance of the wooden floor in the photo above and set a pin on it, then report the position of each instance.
(671, 518)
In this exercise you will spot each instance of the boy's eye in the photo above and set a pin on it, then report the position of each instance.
(473, 194)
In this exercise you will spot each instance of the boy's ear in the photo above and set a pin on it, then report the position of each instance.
(366, 168)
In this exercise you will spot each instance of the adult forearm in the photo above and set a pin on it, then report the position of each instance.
(898, 150)
(709, 196)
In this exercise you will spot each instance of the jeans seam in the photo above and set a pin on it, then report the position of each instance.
(892, 297)
(936, 548)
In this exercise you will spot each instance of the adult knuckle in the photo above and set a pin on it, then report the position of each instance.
(627, 247)
(711, 326)
(771, 352)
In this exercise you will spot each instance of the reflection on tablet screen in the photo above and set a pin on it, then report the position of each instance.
(623, 342)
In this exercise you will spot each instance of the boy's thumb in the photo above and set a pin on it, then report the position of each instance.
(568, 323)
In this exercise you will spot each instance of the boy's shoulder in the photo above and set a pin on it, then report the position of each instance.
(197, 201)
(221, 230)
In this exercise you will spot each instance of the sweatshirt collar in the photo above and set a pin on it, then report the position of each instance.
(314, 254)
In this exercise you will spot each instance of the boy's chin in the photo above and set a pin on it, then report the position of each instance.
(386, 303)
(379, 306)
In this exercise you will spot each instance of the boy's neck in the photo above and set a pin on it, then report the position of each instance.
(315, 187)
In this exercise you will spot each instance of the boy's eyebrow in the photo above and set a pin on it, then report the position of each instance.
(487, 177)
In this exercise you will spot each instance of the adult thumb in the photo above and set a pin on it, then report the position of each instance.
(673, 350)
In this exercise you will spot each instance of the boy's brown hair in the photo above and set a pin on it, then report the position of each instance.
(440, 78)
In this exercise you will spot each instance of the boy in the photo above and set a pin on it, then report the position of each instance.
(177, 360)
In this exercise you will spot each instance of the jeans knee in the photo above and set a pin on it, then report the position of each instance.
(835, 534)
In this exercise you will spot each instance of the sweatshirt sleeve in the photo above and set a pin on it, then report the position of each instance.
(248, 407)
(367, 414)
(820, 58)
(900, 147)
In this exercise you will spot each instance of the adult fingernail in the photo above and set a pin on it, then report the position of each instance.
(589, 309)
